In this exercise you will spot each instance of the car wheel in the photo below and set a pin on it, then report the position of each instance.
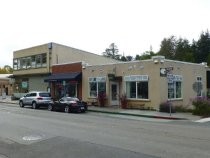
(50, 107)
(21, 104)
(34, 105)
(66, 110)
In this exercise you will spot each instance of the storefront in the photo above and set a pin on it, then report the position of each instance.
(65, 84)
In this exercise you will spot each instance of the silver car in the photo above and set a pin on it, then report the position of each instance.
(35, 99)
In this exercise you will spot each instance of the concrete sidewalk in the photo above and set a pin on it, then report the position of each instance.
(144, 113)
(129, 112)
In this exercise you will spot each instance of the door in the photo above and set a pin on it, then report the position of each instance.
(114, 93)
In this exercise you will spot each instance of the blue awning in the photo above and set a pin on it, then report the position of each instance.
(64, 76)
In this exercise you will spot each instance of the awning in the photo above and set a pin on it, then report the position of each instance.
(64, 76)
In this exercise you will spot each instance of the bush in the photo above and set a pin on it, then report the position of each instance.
(102, 98)
(201, 106)
(165, 107)
(124, 101)
(181, 108)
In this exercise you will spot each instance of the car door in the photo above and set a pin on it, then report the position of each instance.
(62, 104)
(26, 99)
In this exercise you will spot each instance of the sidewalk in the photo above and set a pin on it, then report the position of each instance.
(129, 112)
(144, 113)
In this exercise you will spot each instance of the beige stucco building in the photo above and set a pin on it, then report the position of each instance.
(32, 65)
(146, 83)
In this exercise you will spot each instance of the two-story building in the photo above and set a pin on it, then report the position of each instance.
(33, 65)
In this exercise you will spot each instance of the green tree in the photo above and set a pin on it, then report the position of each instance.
(168, 47)
(146, 55)
(112, 52)
(183, 51)
(6, 70)
(202, 47)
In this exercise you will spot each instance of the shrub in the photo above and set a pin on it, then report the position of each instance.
(102, 98)
(124, 101)
(165, 107)
(181, 108)
(201, 106)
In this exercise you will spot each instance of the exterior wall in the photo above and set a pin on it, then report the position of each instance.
(157, 85)
(5, 87)
(36, 83)
(67, 68)
(33, 51)
(63, 54)
(55, 54)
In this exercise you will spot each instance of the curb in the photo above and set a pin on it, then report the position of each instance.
(125, 114)
(138, 115)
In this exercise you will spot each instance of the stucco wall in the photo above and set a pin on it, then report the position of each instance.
(158, 86)
(64, 54)
(36, 83)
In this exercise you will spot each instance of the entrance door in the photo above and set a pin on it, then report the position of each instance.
(114, 93)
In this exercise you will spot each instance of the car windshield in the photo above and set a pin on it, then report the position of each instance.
(44, 94)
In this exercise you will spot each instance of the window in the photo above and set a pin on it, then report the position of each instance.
(15, 64)
(44, 60)
(97, 85)
(175, 87)
(23, 63)
(29, 62)
(38, 60)
(137, 90)
(137, 86)
(199, 86)
(33, 61)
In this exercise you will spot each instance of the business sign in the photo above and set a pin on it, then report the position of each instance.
(165, 71)
(24, 84)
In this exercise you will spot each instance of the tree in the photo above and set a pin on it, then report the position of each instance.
(112, 52)
(6, 70)
(145, 55)
(202, 47)
(183, 51)
(129, 58)
(168, 47)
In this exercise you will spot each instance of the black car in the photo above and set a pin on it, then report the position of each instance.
(68, 104)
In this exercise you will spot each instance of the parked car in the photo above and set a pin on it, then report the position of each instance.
(68, 104)
(35, 99)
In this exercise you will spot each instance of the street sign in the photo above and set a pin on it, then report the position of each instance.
(170, 78)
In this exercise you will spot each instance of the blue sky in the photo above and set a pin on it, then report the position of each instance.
(92, 25)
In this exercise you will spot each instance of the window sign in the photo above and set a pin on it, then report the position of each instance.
(136, 78)
(24, 84)
(97, 79)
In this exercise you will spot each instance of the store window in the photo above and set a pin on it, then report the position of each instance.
(137, 86)
(96, 85)
(35, 61)
(175, 87)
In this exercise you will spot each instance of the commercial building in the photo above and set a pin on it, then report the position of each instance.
(33, 65)
(145, 83)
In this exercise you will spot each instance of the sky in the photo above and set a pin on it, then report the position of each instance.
(135, 26)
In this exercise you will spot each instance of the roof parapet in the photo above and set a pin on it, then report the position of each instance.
(158, 59)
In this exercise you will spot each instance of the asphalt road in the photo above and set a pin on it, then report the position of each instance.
(28, 133)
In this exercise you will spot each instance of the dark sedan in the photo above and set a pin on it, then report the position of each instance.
(68, 104)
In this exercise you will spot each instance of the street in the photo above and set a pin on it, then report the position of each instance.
(28, 133)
